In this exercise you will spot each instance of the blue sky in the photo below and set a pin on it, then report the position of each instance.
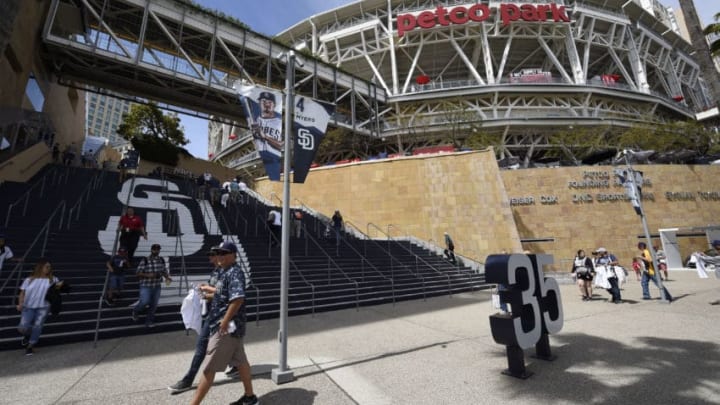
(272, 16)
(267, 17)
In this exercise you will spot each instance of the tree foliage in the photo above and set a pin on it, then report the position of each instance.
(156, 136)
(680, 135)
(480, 139)
(460, 120)
(147, 120)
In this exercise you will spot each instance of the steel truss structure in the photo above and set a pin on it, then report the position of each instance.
(174, 52)
(614, 64)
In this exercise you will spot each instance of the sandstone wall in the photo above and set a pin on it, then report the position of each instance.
(555, 211)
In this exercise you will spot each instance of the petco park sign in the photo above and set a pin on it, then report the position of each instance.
(478, 13)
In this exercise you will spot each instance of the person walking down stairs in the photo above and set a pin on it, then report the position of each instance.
(150, 271)
(33, 305)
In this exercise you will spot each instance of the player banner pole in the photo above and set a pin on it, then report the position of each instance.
(282, 374)
(633, 184)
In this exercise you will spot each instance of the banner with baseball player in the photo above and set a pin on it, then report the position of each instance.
(309, 125)
(263, 108)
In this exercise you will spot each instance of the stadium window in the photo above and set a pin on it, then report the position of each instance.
(34, 93)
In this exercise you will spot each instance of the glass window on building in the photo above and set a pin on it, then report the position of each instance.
(34, 93)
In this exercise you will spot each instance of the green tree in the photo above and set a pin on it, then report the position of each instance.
(675, 136)
(713, 30)
(460, 120)
(481, 139)
(148, 121)
(578, 143)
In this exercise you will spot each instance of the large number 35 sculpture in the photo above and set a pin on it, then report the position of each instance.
(536, 307)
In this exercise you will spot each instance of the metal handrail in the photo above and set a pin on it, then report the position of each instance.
(107, 274)
(245, 222)
(183, 267)
(319, 217)
(246, 270)
(417, 258)
(417, 269)
(92, 185)
(291, 261)
(205, 211)
(273, 195)
(26, 196)
(392, 258)
(433, 248)
(330, 260)
(391, 226)
(45, 229)
(365, 260)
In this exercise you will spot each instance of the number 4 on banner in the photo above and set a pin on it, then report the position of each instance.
(536, 307)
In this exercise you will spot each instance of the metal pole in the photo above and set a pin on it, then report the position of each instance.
(281, 374)
(631, 177)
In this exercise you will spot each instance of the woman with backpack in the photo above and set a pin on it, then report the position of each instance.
(32, 304)
(583, 270)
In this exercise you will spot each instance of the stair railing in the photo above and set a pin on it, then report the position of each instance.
(16, 272)
(92, 185)
(363, 260)
(254, 286)
(337, 267)
(205, 212)
(318, 216)
(274, 196)
(367, 239)
(245, 222)
(417, 259)
(293, 265)
(107, 273)
(25, 197)
(393, 258)
(271, 235)
(179, 244)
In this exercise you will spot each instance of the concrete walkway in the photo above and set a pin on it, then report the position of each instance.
(438, 351)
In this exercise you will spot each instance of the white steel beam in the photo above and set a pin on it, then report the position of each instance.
(554, 60)
(465, 60)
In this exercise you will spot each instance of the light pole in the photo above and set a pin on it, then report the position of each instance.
(282, 374)
(634, 194)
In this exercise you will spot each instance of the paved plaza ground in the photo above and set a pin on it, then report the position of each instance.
(438, 351)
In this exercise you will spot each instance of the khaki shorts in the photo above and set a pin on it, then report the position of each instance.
(223, 350)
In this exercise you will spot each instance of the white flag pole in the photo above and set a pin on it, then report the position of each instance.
(282, 374)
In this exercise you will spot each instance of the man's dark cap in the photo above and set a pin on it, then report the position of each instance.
(267, 96)
(225, 247)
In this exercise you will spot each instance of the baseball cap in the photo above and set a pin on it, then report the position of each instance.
(225, 247)
(601, 250)
(267, 96)
(155, 246)
(122, 249)
(716, 242)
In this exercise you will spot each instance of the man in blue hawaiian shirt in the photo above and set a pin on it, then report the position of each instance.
(226, 321)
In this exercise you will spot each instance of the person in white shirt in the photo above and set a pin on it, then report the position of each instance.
(6, 253)
(274, 222)
(33, 306)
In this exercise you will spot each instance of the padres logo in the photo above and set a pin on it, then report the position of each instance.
(306, 140)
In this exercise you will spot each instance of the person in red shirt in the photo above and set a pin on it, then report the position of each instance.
(131, 228)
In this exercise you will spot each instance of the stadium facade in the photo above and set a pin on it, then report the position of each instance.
(514, 71)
